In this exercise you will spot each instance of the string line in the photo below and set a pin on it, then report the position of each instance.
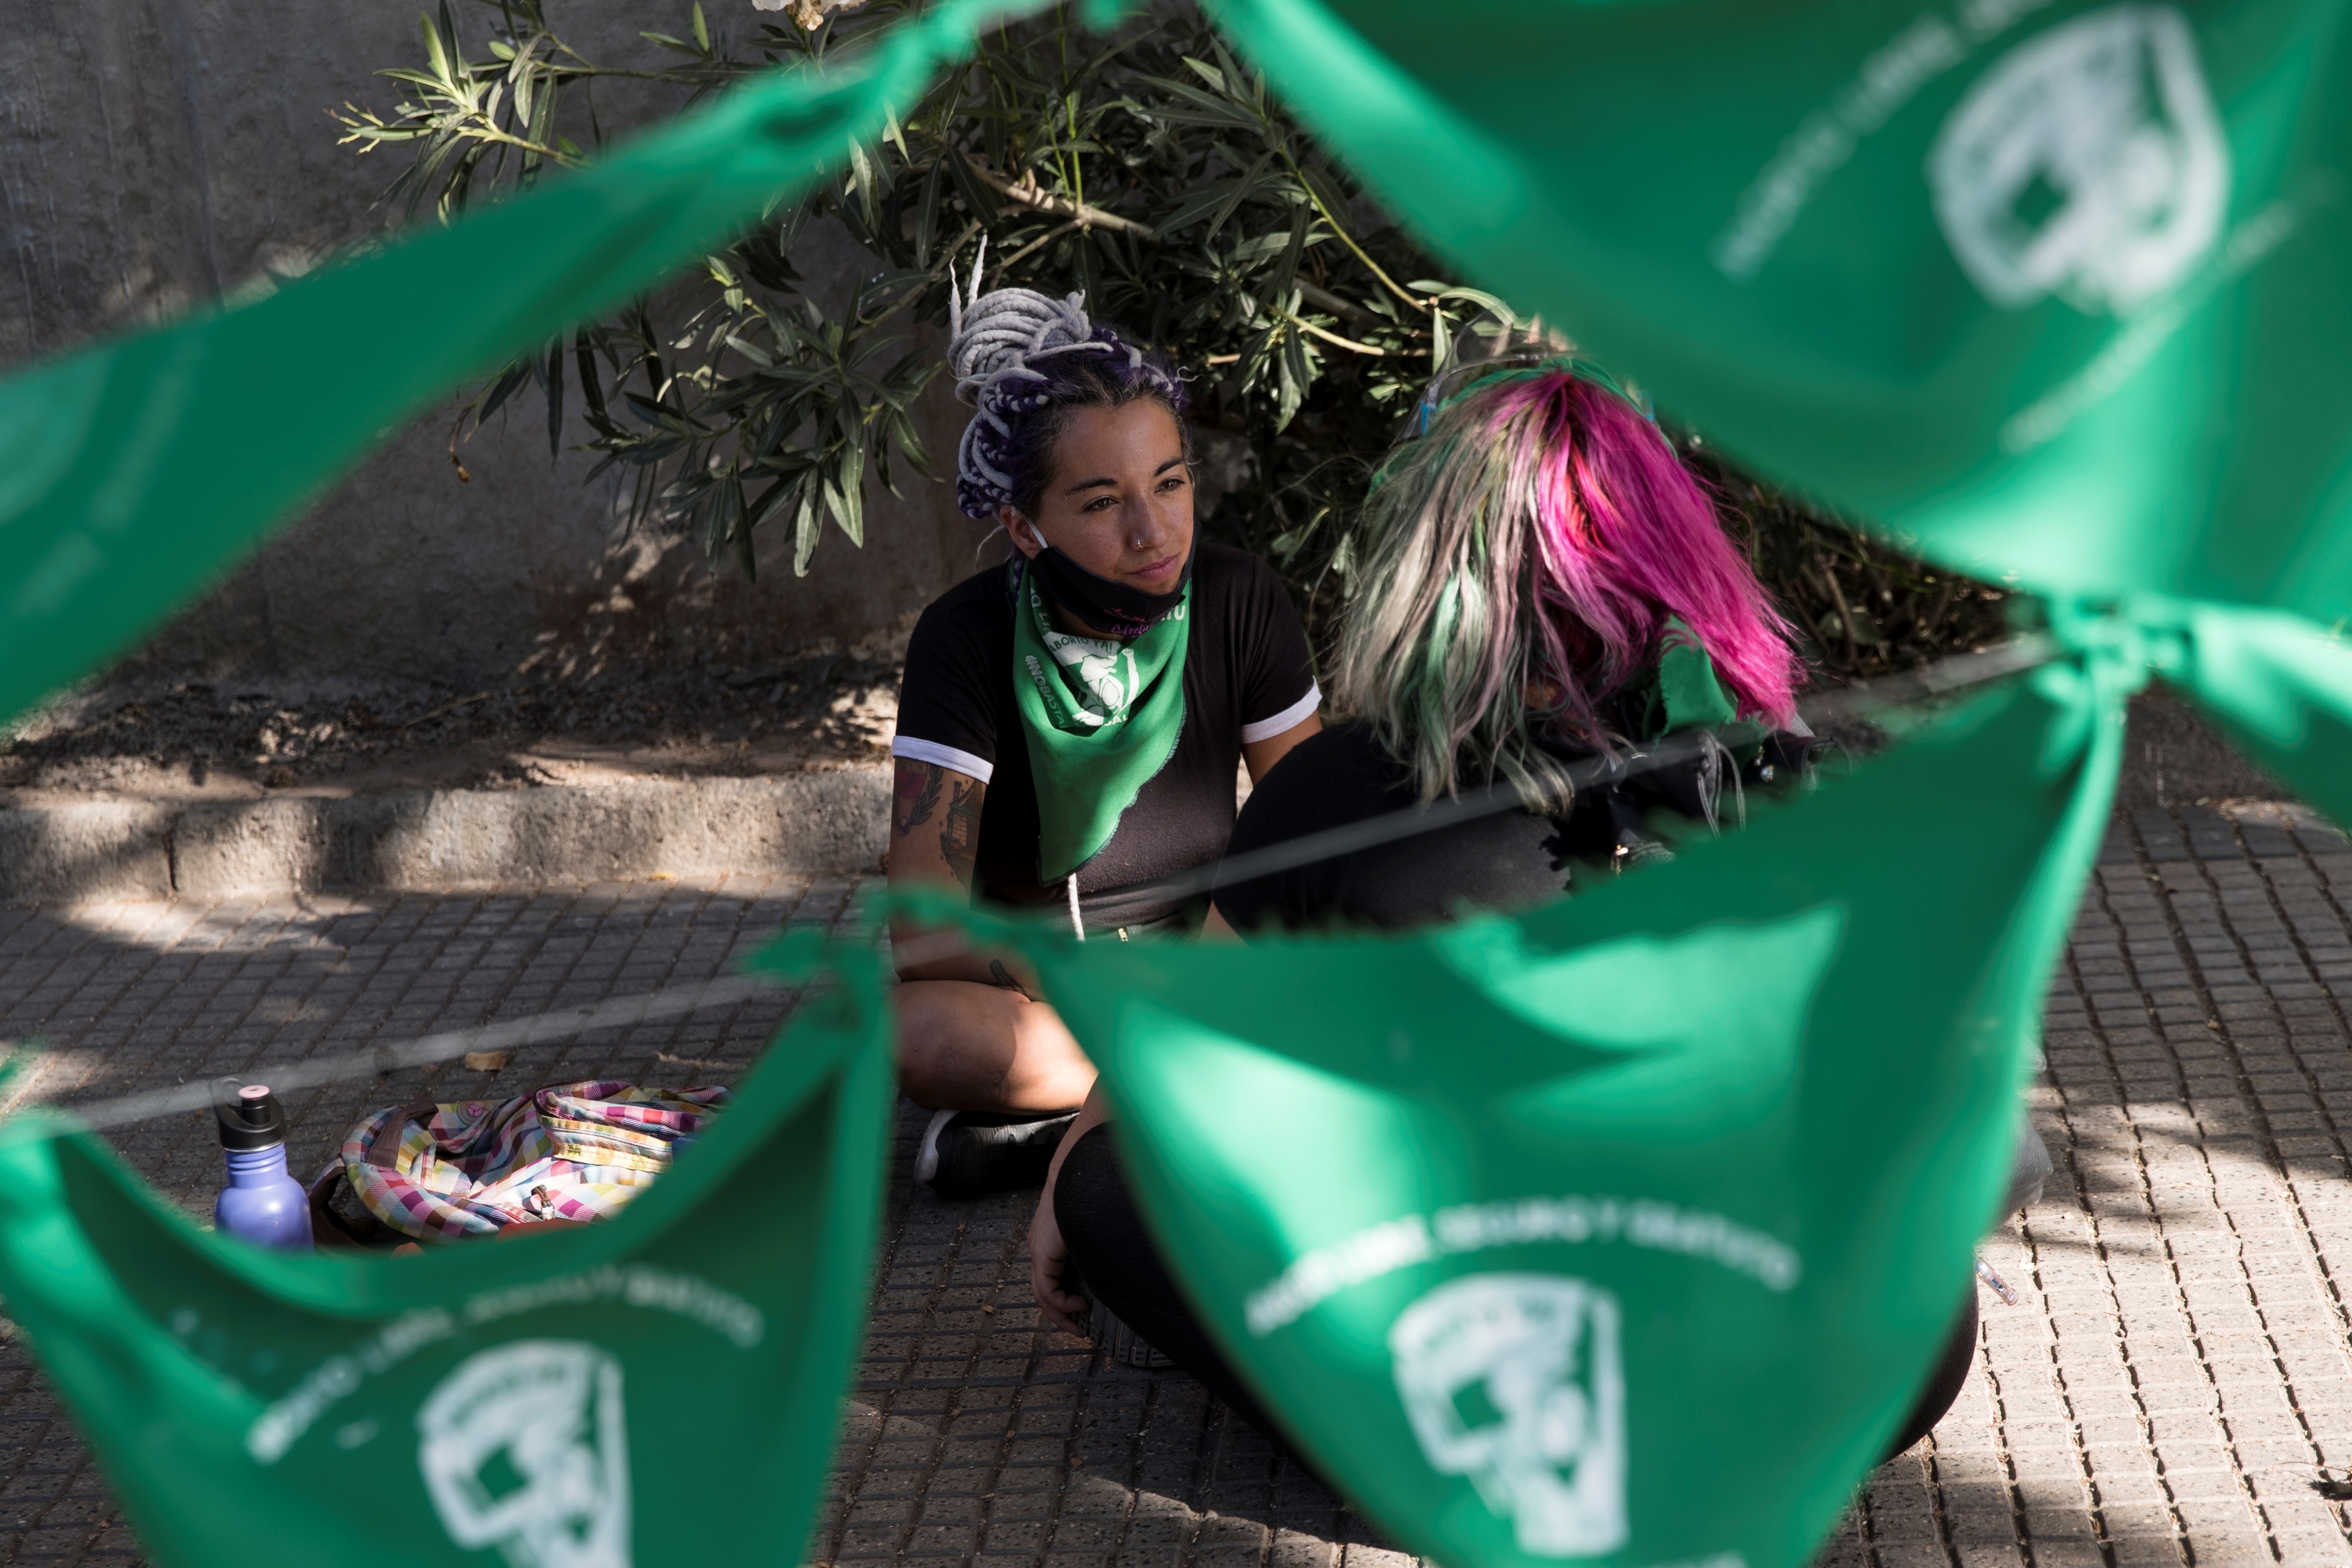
(1946, 676)
(625, 1012)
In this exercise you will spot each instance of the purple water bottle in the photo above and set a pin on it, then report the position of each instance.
(262, 1203)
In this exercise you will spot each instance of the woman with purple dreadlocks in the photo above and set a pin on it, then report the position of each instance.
(1071, 722)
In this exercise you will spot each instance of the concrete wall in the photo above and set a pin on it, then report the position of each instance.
(154, 152)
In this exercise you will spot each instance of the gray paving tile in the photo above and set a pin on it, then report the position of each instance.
(2177, 1375)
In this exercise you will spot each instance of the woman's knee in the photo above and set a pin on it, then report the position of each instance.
(968, 1047)
(938, 1034)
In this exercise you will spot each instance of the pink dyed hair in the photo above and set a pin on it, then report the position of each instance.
(1538, 536)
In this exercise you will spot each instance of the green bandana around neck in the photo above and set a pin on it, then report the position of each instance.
(1099, 718)
(1685, 693)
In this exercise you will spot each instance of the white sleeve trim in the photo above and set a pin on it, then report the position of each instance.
(932, 752)
(1295, 714)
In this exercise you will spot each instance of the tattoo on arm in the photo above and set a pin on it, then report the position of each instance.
(960, 833)
(914, 793)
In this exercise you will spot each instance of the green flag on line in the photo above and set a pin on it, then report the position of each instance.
(2051, 292)
(1566, 1214)
(134, 472)
(1624, 1231)
(660, 1388)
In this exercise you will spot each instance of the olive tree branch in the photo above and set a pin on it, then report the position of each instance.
(1043, 240)
(1340, 232)
(1304, 325)
(1029, 195)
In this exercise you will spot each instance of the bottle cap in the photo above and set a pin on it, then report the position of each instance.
(248, 1114)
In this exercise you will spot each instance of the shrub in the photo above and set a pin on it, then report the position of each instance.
(1146, 168)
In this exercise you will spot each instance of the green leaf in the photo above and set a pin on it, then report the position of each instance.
(737, 524)
(701, 29)
(1206, 197)
(436, 54)
(592, 388)
(1296, 374)
(1207, 73)
(1328, 190)
(1285, 272)
(927, 213)
(555, 400)
(861, 180)
(852, 487)
(746, 556)
(1492, 304)
(804, 532)
(503, 388)
(758, 356)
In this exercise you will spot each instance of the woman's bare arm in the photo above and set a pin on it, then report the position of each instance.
(934, 838)
(1261, 755)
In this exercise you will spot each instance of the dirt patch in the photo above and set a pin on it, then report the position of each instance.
(171, 741)
(189, 740)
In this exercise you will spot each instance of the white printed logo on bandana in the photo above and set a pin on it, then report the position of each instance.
(525, 1447)
(1513, 1380)
(1107, 669)
(2087, 162)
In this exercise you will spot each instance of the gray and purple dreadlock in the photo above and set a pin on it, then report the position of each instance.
(1023, 361)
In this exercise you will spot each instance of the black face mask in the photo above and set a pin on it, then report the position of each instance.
(1113, 608)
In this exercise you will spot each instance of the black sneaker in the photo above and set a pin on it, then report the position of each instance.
(967, 1154)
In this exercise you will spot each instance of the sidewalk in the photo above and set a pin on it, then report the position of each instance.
(2174, 1385)
(2173, 1381)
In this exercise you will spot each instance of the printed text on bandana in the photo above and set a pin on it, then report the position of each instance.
(1931, 45)
(639, 1285)
(1395, 1244)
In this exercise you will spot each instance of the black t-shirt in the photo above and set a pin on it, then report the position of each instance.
(1502, 861)
(1247, 677)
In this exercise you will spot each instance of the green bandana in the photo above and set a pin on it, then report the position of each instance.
(1680, 691)
(658, 1390)
(1521, 1224)
(1618, 1204)
(1100, 722)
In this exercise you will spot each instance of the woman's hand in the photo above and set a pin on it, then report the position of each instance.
(1049, 1256)
(1047, 1259)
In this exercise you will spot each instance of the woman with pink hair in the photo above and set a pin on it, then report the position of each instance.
(1545, 588)
(1543, 584)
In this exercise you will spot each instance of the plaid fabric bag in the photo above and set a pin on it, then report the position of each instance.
(572, 1150)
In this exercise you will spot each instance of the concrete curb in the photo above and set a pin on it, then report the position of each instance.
(415, 839)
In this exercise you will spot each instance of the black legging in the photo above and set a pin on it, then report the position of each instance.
(1119, 1266)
